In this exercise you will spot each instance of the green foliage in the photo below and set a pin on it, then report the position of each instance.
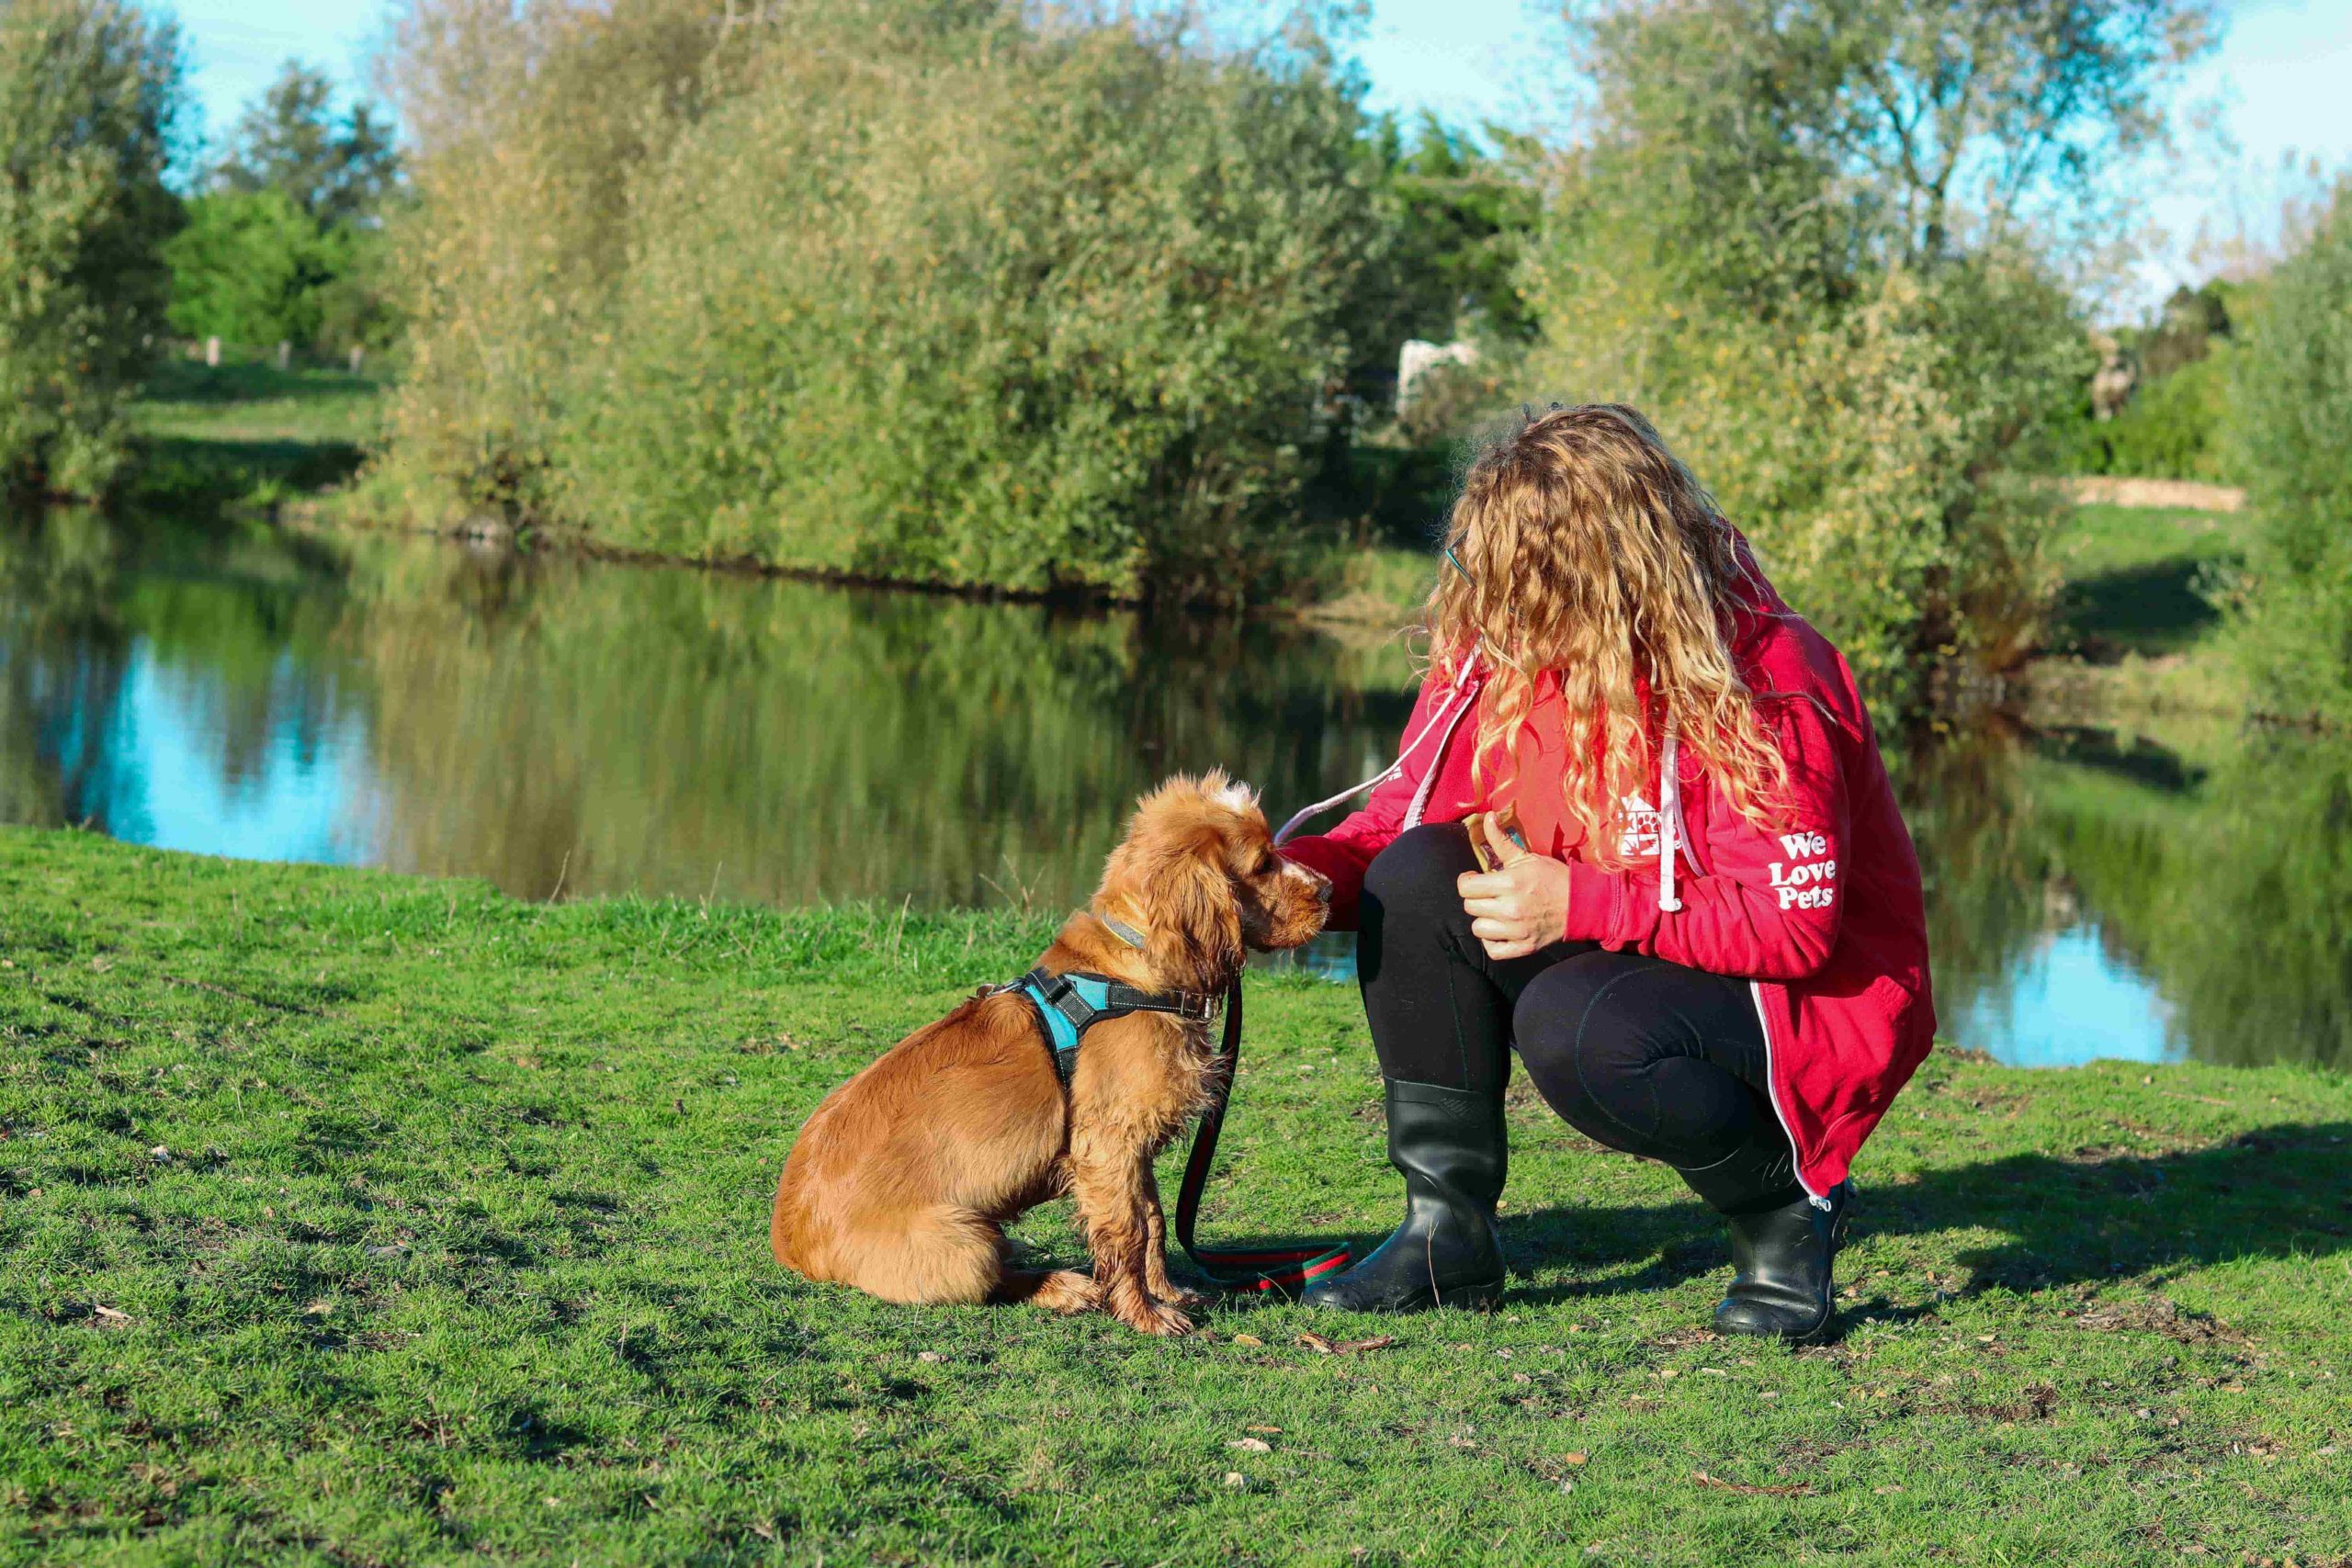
(309, 1164)
(2172, 429)
(288, 246)
(913, 290)
(337, 169)
(1760, 244)
(1464, 218)
(2193, 323)
(248, 268)
(2172, 426)
(90, 102)
(2291, 401)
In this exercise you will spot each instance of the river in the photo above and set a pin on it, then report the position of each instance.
(566, 727)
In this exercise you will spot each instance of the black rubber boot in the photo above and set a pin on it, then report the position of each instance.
(1449, 1145)
(1783, 1242)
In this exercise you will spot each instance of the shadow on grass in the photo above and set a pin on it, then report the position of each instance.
(2149, 610)
(192, 472)
(186, 382)
(2275, 1192)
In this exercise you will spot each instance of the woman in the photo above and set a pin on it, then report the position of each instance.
(1705, 937)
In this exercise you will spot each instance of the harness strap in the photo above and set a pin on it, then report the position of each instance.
(1067, 1004)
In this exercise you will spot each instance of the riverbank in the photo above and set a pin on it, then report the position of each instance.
(2133, 637)
(248, 434)
(371, 1219)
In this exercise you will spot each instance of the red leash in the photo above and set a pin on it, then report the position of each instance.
(1287, 1270)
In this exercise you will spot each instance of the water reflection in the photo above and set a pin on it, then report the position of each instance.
(558, 724)
(561, 725)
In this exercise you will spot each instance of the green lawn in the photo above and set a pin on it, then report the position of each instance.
(245, 431)
(2133, 578)
(353, 1219)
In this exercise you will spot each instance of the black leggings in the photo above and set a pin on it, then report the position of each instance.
(1635, 1053)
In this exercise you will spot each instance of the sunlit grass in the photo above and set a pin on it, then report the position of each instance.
(353, 1218)
(247, 401)
(247, 434)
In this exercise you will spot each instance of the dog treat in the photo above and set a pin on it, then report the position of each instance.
(1507, 819)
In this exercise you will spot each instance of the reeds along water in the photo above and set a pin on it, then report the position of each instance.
(558, 724)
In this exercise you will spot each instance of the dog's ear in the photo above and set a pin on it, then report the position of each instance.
(1197, 926)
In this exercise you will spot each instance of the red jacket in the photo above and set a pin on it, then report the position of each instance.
(1825, 917)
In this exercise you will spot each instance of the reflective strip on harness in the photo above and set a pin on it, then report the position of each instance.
(1068, 1004)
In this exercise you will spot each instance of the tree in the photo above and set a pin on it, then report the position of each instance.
(91, 103)
(1826, 241)
(2292, 402)
(285, 244)
(335, 168)
(960, 291)
(1997, 111)
(250, 268)
(1465, 217)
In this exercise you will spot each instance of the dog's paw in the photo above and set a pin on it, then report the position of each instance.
(1152, 1317)
(1066, 1292)
(1182, 1299)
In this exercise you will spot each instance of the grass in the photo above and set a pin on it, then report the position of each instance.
(354, 1219)
(247, 432)
(2134, 626)
(2133, 578)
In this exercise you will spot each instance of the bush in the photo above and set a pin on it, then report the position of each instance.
(908, 290)
(248, 268)
(90, 100)
(2172, 427)
(2292, 427)
(1754, 247)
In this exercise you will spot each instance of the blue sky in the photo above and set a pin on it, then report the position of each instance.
(2282, 81)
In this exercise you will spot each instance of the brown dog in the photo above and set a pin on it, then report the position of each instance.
(902, 1181)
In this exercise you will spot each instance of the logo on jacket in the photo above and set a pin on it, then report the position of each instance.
(1802, 882)
(1638, 839)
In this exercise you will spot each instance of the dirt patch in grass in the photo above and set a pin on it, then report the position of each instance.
(2159, 1314)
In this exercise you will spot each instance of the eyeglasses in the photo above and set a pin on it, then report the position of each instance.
(1455, 561)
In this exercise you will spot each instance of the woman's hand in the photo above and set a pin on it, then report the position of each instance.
(1519, 908)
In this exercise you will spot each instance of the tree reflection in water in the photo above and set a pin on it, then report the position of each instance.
(558, 723)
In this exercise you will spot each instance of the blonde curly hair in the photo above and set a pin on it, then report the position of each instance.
(1582, 546)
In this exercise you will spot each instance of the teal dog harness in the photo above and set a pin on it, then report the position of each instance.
(1067, 1005)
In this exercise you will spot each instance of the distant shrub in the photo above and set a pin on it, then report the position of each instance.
(248, 268)
(2291, 398)
(90, 101)
(2172, 429)
(913, 290)
(1859, 384)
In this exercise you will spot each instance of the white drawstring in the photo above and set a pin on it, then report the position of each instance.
(1670, 832)
(1298, 819)
(1669, 822)
(1428, 779)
